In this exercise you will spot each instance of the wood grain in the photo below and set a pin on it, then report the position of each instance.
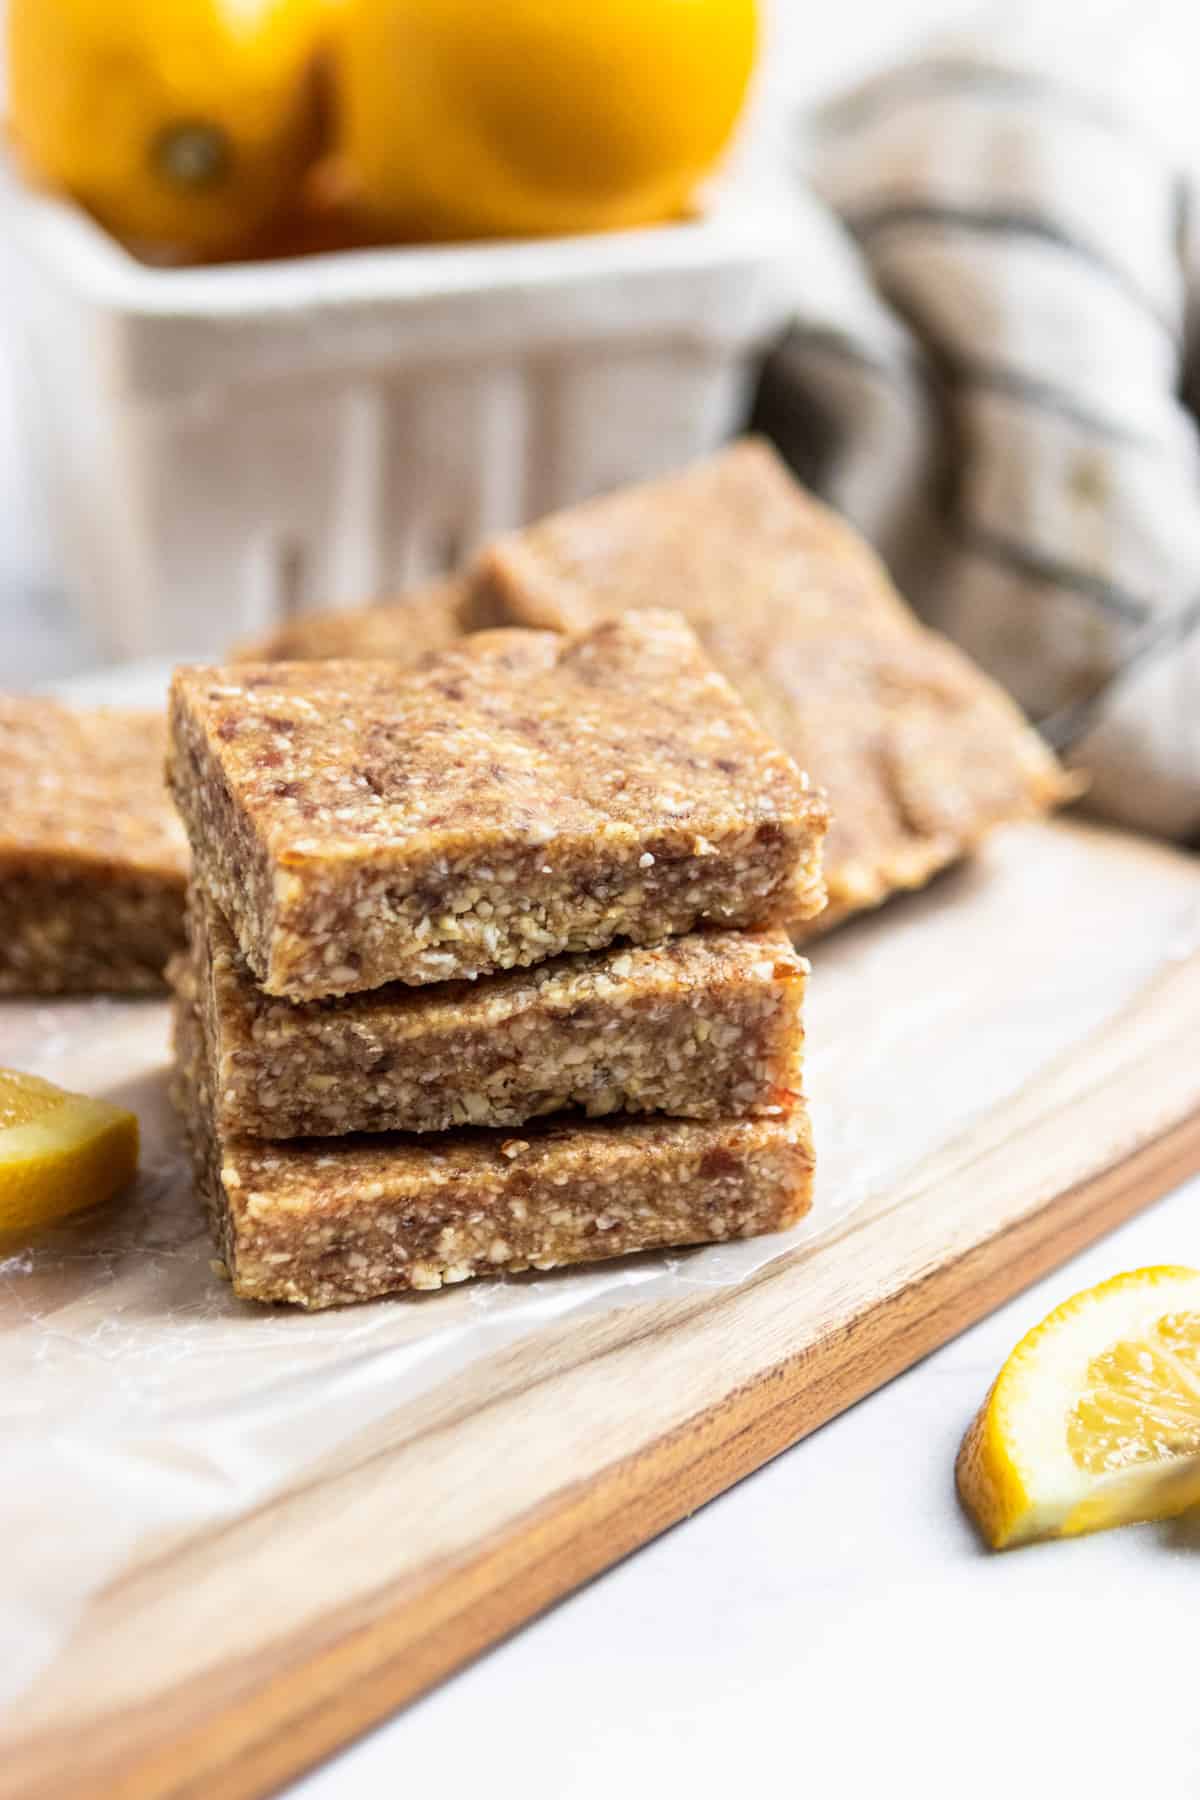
(227, 1662)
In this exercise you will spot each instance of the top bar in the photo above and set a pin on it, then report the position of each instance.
(519, 796)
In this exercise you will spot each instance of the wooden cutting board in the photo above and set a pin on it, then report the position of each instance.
(1001, 1069)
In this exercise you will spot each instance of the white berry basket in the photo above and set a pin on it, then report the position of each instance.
(224, 447)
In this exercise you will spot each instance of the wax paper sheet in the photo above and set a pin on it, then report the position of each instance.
(140, 1399)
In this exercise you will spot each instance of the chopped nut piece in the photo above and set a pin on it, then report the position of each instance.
(318, 1224)
(523, 769)
(93, 859)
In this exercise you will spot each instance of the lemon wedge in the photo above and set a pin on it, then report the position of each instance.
(59, 1152)
(1094, 1420)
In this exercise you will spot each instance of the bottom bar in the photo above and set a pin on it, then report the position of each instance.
(318, 1222)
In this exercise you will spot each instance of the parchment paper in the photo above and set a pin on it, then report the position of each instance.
(139, 1398)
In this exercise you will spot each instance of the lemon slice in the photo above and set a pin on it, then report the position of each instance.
(59, 1152)
(1094, 1420)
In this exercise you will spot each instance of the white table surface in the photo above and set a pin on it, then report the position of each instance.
(830, 1626)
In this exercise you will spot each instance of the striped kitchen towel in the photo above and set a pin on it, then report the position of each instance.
(997, 270)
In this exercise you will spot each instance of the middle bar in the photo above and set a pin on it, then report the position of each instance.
(702, 1027)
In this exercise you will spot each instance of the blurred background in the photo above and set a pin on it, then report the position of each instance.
(985, 296)
(809, 53)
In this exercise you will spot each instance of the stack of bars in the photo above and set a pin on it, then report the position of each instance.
(486, 966)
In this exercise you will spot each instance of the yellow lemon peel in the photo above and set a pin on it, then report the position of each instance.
(59, 1152)
(460, 120)
(185, 126)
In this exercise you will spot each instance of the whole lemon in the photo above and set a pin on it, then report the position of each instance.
(183, 125)
(462, 119)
